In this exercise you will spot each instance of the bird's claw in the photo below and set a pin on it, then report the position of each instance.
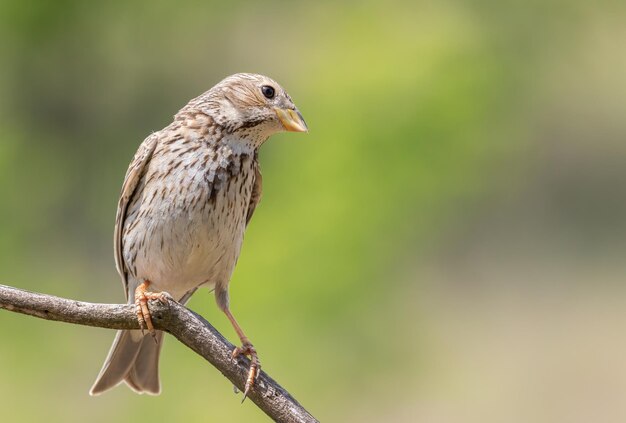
(255, 366)
(142, 296)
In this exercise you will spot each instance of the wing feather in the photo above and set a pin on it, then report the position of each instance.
(257, 189)
(134, 174)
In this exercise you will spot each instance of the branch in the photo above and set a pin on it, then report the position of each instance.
(190, 329)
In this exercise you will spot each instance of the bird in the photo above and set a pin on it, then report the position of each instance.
(187, 198)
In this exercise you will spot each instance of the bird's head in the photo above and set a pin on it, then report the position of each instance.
(252, 105)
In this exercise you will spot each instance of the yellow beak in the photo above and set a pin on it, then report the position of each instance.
(292, 120)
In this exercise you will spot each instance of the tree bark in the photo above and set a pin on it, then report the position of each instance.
(187, 326)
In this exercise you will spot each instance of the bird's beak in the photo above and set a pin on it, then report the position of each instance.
(292, 120)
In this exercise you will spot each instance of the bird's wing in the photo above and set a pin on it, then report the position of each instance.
(257, 189)
(133, 175)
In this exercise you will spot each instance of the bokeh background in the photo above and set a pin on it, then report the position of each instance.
(445, 245)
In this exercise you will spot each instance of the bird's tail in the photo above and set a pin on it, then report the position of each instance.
(134, 359)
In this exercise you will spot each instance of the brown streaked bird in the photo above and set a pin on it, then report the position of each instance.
(187, 198)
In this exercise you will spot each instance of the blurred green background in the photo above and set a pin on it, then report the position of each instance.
(445, 245)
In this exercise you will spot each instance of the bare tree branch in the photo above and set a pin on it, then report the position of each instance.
(190, 329)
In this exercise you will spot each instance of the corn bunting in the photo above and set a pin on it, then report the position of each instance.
(187, 198)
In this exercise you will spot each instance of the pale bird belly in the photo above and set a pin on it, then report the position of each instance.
(188, 243)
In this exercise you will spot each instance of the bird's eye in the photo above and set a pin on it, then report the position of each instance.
(268, 91)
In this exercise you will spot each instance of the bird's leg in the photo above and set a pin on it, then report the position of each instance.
(245, 349)
(142, 296)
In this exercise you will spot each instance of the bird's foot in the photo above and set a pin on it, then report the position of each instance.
(255, 365)
(142, 296)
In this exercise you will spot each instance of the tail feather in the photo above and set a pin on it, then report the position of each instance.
(133, 359)
(143, 376)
